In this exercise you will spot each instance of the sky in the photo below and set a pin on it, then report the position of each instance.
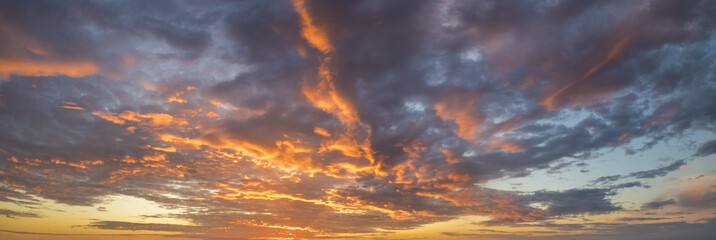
(308, 119)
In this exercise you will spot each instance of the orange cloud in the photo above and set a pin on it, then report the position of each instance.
(323, 95)
(326, 97)
(181, 142)
(82, 164)
(354, 142)
(321, 131)
(44, 68)
(313, 33)
(461, 107)
(72, 107)
(289, 154)
(504, 145)
(112, 117)
(27, 56)
(164, 149)
(276, 226)
(234, 193)
(151, 119)
(449, 156)
(176, 97)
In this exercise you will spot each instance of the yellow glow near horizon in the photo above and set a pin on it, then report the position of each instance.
(58, 218)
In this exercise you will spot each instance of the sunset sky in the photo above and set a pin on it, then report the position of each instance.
(306, 119)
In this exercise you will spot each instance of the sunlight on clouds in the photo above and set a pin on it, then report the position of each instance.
(355, 141)
(42, 68)
(313, 33)
(461, 108)
(151, 119)
(304, 119)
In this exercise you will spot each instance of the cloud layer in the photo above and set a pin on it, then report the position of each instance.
(311, 118)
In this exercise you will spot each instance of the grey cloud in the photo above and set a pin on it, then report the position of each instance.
(628, 219)
(698, 196)
(620, 231)
(658, 204)
(12, 195)
(551, 225)
(265, 33)
(611, 178)
(706, 149)
(392, 197)
(574, 201)
(37, 130)
(630, 184)
(653, 173)
(179, 24)
(15, 214)
(659, 172)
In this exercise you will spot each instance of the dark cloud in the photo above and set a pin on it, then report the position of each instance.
(14, 214)
(630, 184)
(653, 173)
(15, 196)
(265, 32)
(153, 236)
(555, 226)
(611, 178)
(658, 204)
(179, 24)
(574, 201)
(706, 149)
(662, 231)
(628, 219)
(659, 172)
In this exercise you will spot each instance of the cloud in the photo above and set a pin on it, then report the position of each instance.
(653, 173)
(659, 172)
(118, 225)
(148, 236)
(700, 194)
(628, 219)
(658, 204)
(14, 214)
(666, 230)
(461, 108)
(313, 33)
(706, 149)
(574, 201)
(306, 118)
(45, 68)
